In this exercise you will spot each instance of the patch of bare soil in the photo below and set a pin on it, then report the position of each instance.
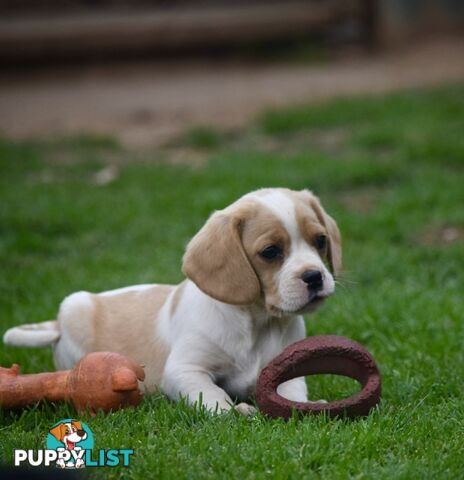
(441, 236)
(331, 141)
(360, 201)
(150, 104)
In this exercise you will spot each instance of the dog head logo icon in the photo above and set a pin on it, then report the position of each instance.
(70, 438)
(69, 433)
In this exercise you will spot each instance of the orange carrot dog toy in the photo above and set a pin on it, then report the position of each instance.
(99, 381)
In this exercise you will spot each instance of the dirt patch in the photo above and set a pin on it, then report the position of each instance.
(360, 201)
(441, 236)
(148, 104)
(332, 141)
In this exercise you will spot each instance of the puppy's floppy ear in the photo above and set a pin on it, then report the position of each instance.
(216, 262)
(335, 240)
(59, 431)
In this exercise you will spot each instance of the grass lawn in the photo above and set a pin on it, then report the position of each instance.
(389, 169)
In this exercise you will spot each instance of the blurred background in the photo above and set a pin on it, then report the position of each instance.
(144, 70)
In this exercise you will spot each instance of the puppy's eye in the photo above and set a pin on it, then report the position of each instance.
(321, 242)
(271, 253)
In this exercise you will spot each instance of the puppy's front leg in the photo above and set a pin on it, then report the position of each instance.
(195, 384)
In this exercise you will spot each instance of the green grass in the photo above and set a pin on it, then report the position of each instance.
(396, 175)
(203, 138)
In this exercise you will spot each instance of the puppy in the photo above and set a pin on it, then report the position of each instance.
(252, 271)
(69, 434)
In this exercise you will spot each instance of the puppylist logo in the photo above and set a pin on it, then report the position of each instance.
(70, 445)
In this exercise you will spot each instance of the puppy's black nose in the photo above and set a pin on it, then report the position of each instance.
(81, 433)
(313, 278)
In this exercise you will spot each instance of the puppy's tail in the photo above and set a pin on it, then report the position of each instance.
(33, 334)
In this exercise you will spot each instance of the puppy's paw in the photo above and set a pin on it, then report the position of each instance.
(245, 409)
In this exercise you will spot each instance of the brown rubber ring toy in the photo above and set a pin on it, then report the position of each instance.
(317, 355)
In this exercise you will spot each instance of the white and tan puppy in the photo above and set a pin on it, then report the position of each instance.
(252, 271)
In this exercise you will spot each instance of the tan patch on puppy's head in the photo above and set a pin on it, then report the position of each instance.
(313, 220)
(224, 260)
(263, 230)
